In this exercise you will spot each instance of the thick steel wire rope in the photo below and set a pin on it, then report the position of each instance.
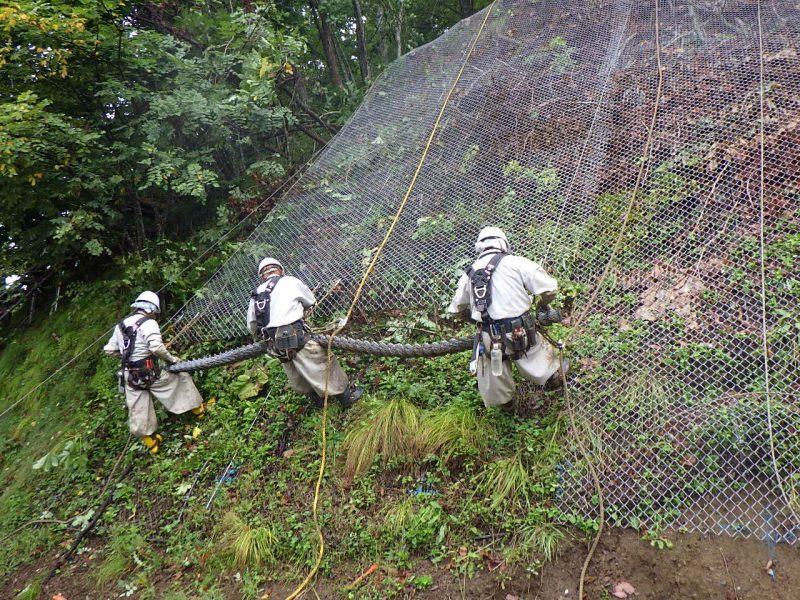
(349, 344)
(762, 268)
(581, 317)
(357, 295)
(162, 288)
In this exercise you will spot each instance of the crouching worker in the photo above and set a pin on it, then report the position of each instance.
(275, 314)
(137, 340)
(495, 291)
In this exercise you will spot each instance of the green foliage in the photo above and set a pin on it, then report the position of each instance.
(416, 524)
(246, 545)
(389, 428)
(124, 122)
(561, 55)
(657, 540)
(504, 482)
(537, 539)
(30, 591)
(122, 555)
(458, 428)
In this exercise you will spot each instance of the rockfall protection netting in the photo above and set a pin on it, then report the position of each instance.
(546, 135)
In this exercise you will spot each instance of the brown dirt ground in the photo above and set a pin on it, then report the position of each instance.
(697, 567)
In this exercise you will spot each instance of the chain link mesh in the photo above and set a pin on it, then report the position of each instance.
(544, 136)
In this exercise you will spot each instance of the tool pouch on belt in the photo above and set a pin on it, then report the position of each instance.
(518, 335)
(143, 373)
(288, 340)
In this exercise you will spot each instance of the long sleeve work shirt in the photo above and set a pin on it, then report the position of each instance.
(513, 281)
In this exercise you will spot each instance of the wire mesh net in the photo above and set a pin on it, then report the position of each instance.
(547, 134)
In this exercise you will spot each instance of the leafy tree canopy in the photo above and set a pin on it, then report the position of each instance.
(123, 122)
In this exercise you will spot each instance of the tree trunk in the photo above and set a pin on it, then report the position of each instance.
(327, 43)
(343, 62)
(380, 25)
(398, 30)
(361, 39)
(466, 8)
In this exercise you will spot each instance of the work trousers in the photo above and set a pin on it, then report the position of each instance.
(306, 371)
(537, 365)
(176, 391)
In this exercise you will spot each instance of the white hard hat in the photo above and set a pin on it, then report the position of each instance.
(147, 301)
(491, 237)
(267, 262)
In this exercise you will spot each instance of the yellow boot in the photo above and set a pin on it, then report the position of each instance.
(200, 411)
(153, 442)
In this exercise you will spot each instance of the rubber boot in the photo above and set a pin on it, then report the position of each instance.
(153, 442)
(350, 396)
(556, 381)
(315, 399)
(509, 407)
(200, 411)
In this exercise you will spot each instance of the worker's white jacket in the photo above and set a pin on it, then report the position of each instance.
(289, 299)
(513, 281)
(176, 391)
(148, 340)
(306, 372)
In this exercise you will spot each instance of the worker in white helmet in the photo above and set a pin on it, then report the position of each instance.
(275, 314)
(137, 340)
(496, 293)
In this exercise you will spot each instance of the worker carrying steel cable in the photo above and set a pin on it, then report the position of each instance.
(137, 340)
(495, 292)
(275, 315)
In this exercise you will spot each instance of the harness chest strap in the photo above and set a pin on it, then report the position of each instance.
(263, 300)
(481, 284)
(129, 337)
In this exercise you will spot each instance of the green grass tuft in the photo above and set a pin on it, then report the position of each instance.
(246, 545)
(504, 481)
(125, 542)
(541, 539)
(457, 429)
(31, 591)
(398, 516)
(387, 428)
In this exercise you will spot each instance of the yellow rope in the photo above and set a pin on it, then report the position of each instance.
(764, 342)
(356, 297)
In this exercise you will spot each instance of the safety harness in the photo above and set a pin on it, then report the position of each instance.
(141, 374)
(515, 335)
(481, 285)
(263, 300)
(286, 340)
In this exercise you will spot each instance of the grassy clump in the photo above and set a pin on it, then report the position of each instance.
(414, 523)
(31, 591)
(390, 429)
(542, 539)
(457, 429)
(504, 481)
(247, 545)
(126, 542)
